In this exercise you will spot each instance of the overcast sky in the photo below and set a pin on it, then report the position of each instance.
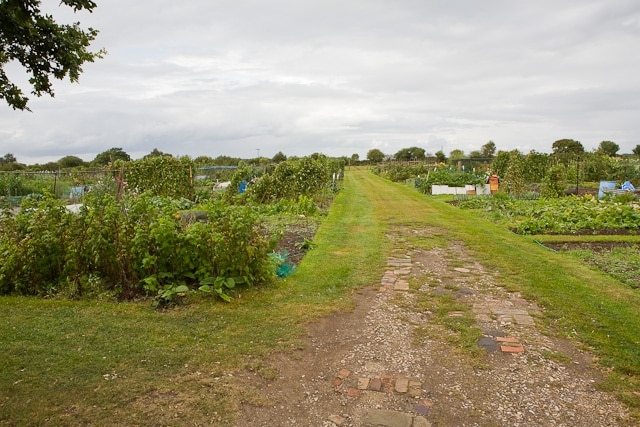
(242, 77)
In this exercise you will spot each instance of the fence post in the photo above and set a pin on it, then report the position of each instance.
(55, 182)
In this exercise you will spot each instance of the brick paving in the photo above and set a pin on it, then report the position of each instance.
(424, 379)
(494, 312)
(387, 371)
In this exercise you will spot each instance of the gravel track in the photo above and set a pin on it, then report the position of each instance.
(388, 363)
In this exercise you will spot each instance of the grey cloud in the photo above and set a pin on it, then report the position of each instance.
(232, 77)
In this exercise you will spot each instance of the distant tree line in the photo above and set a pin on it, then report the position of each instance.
(562, 148)
(563, 151)
(9, 162)
(552, 174)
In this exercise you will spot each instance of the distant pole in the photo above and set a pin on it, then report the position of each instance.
(258, 152)
(578, 175)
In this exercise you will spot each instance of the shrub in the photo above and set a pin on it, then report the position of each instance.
(32, 247)
(131, 247)
(514, 177)
(554, 183)
(309, 177)
(160, 175)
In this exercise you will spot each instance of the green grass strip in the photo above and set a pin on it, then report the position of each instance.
(580, 302)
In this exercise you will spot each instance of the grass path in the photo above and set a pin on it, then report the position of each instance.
(579, 302)
(72, 362)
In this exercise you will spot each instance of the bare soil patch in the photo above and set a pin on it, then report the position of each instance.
(590, 246)
(296, 240)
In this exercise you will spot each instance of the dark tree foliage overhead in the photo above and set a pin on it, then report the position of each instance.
(43, 47)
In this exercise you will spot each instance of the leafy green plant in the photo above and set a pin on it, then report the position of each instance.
(514, 178)
(218, 286)
(554, 184)
(170, 294)
(307, 177)
(624, 198)
(306, 244)
(139, 245)
(560, 215)
(21, 184)
(33, 247)
(106, 252)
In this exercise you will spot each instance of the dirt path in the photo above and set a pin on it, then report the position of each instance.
(407, 355)
(397, 360)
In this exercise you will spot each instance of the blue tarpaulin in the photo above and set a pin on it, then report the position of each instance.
(628, 186)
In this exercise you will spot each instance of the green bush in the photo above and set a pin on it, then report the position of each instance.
(32, 247)
(309, 177)
(554, 183)
(161, 175)
(140, 245)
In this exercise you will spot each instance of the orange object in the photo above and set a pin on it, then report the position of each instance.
(508, 349)
(494, 183)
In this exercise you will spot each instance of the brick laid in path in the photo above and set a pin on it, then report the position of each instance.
(401, 285)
